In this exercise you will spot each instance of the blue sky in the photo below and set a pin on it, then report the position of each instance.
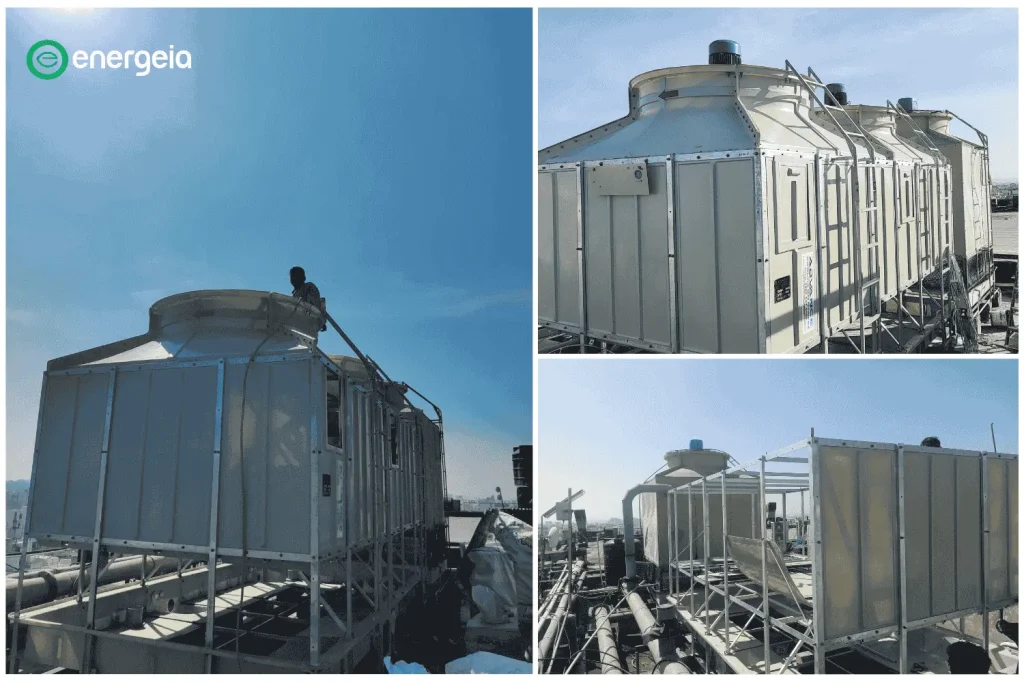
(606, 424)
(387, 152)
(963, 60)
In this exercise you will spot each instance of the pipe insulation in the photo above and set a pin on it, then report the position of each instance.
(666, 660)
(45, 586)
(611, 663)
(550, 631)
(629, 542)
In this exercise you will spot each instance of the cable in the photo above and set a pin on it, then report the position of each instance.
(241, 476)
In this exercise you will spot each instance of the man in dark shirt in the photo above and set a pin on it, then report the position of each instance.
(308, 292)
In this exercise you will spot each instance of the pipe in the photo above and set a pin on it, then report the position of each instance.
(629, 543)
(550, 632)
(611, 663)
(666, 660)
(47, 586)
(555, 589)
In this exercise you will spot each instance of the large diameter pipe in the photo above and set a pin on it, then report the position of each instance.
(47, 586)
(666, 660)
(611, 663)
(629, 543)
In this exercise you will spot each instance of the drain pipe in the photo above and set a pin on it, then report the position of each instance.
(665, 658)
(629, 543)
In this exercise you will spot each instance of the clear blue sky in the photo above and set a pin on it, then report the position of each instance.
(606, 424)
(964, 60)
(387, 152)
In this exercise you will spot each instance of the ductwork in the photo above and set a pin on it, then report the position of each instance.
(627, 522)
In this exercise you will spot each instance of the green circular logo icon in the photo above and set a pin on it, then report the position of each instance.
(47, 59)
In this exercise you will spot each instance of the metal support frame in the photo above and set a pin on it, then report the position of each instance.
(361, 404)
(581, 258)
(717, 576)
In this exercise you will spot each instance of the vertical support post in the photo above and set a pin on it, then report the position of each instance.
(984, 549)
(689, 522)
(348, 396)
(785, 524)
(211, 561)
(569, 550)
(901, 514)
(818, 584)
(707, 552)
(23, 561)
(673, 542)
(725, 562)
(821, 250)
(316, 396)
(803, 524)
(764, 574)
(90, 640)
(81, 573)
(672, 293)
(581, 265)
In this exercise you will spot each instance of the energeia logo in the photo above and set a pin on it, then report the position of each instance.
(48, 59)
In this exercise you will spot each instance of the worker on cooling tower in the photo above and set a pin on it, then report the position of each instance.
(308, 292)
(931, 442)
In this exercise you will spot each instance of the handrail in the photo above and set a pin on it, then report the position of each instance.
(899, 111)
(860, 130)
(814, 95)
(370, 365)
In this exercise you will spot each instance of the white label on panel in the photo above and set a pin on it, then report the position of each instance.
(807, 291)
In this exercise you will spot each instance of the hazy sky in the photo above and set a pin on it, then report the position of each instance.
(387, 152)
(963, 60)
(605, 424)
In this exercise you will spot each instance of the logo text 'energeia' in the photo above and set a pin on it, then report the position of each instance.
(47, 59)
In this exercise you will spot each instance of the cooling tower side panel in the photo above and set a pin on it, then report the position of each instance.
(68, 455)
(161, 456)
(942, 534)
(735, 226)
(696, 257)
(275, 446)
(626, 243)
(968, 535)
(886, 202)
(917, 484)
(858, 510)
(997, 569)
(1012, 526)
(558, 267)
(792, 296)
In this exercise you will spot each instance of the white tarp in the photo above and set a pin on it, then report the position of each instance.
(493, 583)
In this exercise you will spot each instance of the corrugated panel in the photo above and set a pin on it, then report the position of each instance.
(626, 242)
(998, 569)
(276, 456)
(943, 534)
(68, 457)
(917, 483)
(161, 454)
(1012, 503)
(558, 267)
(858, 508)
(716, 255)
(968, 546)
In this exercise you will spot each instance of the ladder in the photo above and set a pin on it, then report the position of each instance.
(1011, 315)
(866, 284)
(958, 291)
